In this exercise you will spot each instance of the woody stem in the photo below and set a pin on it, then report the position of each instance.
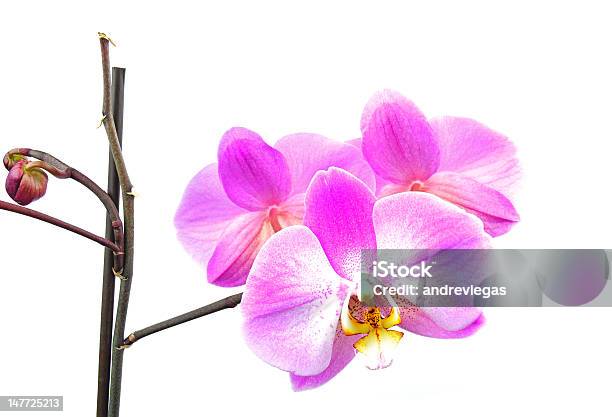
(59, 223)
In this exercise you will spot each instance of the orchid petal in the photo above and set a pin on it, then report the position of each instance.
(237, 249)
(292, 210)
(307, 153)
(343, 353)
(471, 148)
(494, 226)
(415, 220)
(380, 181)
(441, 322)
(292, 303)
(254, 174)
(491, 206)
(203, 214)
(398, 142)
(339, 212)
(354, 142)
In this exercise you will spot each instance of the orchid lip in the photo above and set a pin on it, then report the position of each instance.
(378, 344)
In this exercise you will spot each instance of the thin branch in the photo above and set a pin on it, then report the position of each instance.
(107, 304)
(112, 211)
(62, 170)
(229, 302)
(59, 223)
(108, 118)
(127, 197)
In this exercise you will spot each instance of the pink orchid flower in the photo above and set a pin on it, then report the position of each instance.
(299, 309)
(231, 208)
(457, 159)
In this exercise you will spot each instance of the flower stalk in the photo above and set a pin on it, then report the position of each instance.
(223, 304)
(107, 304)
(59, 223)
(127, 197)
(59, 169)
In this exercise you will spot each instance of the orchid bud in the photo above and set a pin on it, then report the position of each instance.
(25, 182)
(12, 157)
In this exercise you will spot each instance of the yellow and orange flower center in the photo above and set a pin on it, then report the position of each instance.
(379, 343)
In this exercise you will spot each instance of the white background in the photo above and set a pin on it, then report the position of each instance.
(539, 72)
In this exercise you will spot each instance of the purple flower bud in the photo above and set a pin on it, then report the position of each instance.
(11, 159)
(8, 164)
(25, 183)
